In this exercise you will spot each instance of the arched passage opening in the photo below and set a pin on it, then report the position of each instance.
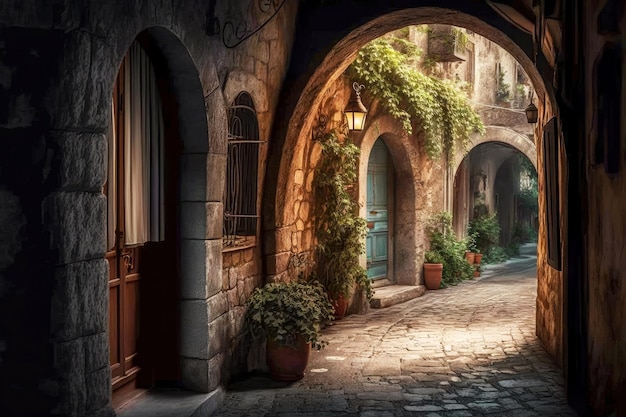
(307, 95)
(493, 178)
(158, 145)
(327, 58)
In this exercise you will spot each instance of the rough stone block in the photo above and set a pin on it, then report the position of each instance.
(80, 300)
(82, 160)
(201, 268)
(195, 374)
(194, 329)
(215, 172)
(278, 263)
(98, 389)
(193, 186)
(69, 360)
(217, 121)
(218, 305)
(216, 364)
(219, 335)
(68, 96)
(201, 220)
(96, 349)
(76, 222)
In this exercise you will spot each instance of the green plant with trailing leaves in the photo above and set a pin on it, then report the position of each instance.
(339, 229)
(451, 251)
(283, 310)
(438, 106)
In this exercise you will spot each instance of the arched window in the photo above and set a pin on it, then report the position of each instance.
(242, 169)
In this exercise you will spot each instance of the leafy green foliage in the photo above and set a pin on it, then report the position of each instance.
(495, 254)
(486, 231)
(451, 251)
(282, 311)
(438, 106)
(433, 257)
(470, 243)
(529, 192)
(339, 229)
(503, 90)
(523, 233)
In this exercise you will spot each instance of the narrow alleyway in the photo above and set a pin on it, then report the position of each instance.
(468, 350)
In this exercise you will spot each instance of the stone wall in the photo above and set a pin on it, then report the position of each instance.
(58, 63)
(550, 305)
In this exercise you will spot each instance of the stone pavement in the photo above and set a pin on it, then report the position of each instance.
(468, 350)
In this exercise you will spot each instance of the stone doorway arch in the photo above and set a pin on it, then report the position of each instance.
(194, 238)
(404, 155)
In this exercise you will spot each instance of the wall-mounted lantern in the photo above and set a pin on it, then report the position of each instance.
(532, 113)
(355, 111)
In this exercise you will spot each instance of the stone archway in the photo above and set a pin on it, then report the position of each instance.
(501, 134)
(198, 240)
(461, 196)
(308, 92)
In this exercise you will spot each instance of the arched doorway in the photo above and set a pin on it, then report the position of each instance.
(153, 284)
(142, 217)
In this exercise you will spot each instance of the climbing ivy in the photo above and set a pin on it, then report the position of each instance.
(439, 106)
(339, 229)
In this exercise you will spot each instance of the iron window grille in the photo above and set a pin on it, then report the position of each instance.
(242, 168)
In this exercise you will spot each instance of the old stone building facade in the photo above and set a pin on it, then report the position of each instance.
(70, 302)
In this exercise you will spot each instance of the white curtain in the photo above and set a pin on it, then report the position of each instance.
(112, 181)
(143, 152)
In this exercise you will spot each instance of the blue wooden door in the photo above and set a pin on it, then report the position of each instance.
(377, 212)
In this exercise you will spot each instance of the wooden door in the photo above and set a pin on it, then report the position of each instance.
(125, 278)
(377, 241)
(143, 277)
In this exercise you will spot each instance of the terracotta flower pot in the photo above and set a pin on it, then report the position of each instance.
(470, 257)
(432, 275)
(287, 363)
(478, 257)
(340, 303)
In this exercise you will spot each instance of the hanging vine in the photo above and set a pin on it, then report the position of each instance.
(439, 106)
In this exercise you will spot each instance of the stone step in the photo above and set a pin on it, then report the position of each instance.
(173, 403)
(395, 294)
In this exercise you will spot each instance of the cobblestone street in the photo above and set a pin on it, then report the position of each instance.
(468, 350)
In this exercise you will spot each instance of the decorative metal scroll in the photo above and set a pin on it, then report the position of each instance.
(240, 25)
(321, 127)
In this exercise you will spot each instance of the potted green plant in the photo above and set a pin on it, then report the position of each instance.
(486, 231)
(433, 269)
(291, 316)
(443, 241)
(471, 248)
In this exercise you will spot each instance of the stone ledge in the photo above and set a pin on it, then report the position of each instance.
(395, 294)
